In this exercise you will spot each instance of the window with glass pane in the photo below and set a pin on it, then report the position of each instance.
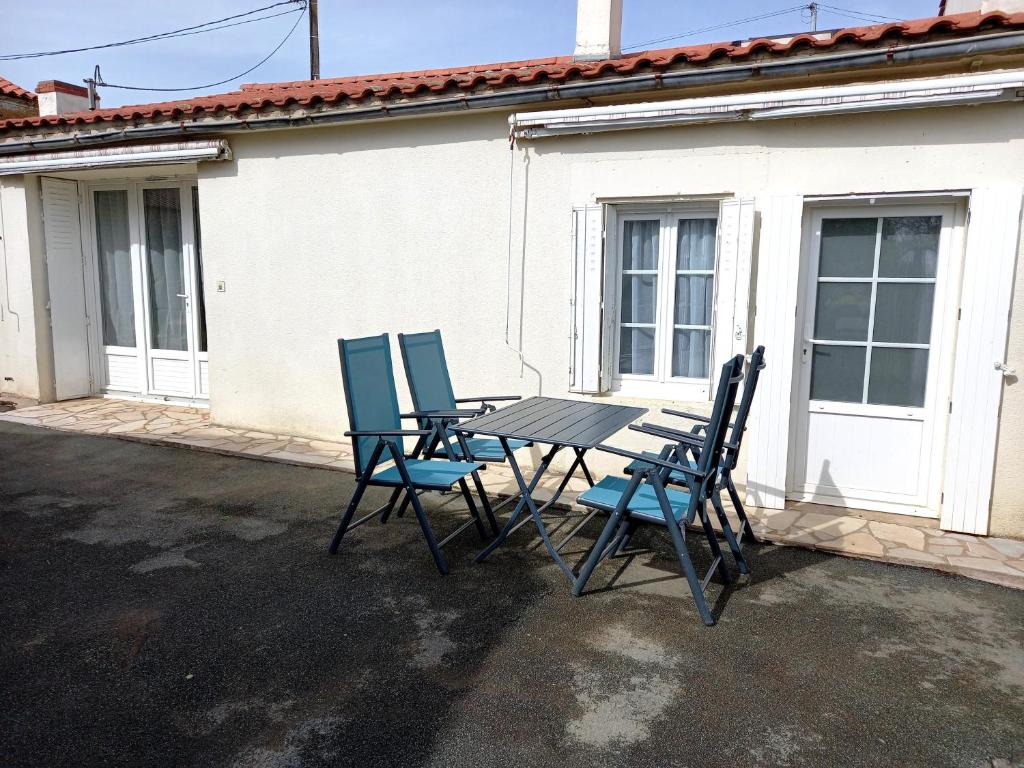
(638, 301)
(113, 252)
(166, 267)
(694, 297)
(873, 314)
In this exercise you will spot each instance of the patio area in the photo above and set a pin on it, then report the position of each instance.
(169, 607)
(889, 538)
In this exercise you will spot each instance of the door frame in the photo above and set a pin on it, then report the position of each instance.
(942, 348)
(140, 280)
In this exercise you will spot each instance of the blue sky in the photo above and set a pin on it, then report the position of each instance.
(359, 37)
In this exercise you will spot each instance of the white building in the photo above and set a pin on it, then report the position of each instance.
(850, 199)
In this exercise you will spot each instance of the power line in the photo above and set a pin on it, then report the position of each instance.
(866, 15)
(257, 65)
(760, 17)
(207, 26)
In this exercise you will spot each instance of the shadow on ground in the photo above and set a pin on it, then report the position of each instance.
(173, 608)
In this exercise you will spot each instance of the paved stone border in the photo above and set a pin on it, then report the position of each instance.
(1000, 561)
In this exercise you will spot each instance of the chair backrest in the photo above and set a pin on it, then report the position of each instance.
(427, 371)
(757, 364)
(370, 396)
(714, 434)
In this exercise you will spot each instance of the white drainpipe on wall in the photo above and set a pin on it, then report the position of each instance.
(802, 102)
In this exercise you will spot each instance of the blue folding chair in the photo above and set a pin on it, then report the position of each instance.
(645, 499)
(430, 385)
(685, 443)
(377, 438)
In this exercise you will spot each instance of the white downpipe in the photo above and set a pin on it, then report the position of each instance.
(801, 102)
(117, 157)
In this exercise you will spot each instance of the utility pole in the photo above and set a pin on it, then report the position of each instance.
(813, 8)
(314, 43)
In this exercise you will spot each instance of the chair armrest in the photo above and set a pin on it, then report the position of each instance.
(496, 398)
(668, 434)
(650, 460)
(463, 413)
(686, 415)
(388, 432)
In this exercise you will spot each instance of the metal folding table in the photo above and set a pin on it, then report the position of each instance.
(556, 422)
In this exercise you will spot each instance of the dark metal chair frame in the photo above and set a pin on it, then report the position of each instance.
(690, 443)
(655, 472)
(388, 446)
(433, 395)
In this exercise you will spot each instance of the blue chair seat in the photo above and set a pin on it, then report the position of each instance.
(482, 448)
(434, 474)
(644, 504)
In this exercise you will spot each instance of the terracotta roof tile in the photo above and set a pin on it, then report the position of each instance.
(7, 88)
(332, 91)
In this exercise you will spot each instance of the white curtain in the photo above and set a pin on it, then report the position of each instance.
(695, 293)
(639, 296)
(115, 266)
(166, 274)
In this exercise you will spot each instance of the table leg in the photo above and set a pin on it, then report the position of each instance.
(525, 495)
(539, 520)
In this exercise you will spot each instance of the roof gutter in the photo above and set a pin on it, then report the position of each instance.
(916, 53)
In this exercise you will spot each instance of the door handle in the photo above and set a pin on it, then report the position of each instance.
(182, 295)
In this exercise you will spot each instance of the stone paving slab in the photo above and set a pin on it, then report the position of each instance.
(1000, 561)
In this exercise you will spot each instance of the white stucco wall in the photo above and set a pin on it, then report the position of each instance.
(25, 357)
(356, 230)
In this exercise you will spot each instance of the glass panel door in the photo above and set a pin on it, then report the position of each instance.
(114, 261)
(694, 297)
(168, 327)
(873, 309)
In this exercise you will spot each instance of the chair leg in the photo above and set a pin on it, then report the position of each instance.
(349, 512)
(625, 537)
(730, 537)
(716, 549)
(391, 505)
(428, 533)
(464, 488)
(597, 552)
(746, 532)
(485, 503)
(683, 555)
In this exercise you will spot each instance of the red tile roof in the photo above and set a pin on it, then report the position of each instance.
(7, 88)
(332, 91)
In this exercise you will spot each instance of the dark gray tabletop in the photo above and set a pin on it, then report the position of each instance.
(555, 421)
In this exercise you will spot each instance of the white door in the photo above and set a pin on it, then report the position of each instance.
(148, 283)
(874, 373)
(66, 280)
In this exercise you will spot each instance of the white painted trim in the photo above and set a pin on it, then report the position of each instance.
(985, 299)
(587, 277)
(778, 275)
(765, 105)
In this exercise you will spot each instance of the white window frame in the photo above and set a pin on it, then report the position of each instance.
(661, 384)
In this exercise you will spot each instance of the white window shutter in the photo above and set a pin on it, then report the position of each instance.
(585, 304)
(66, 278)
(991, 251)
(609, 300)
(778, 275)
(732, 276)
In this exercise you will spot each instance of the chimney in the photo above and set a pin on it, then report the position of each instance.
(949, 7)
(598, 29)
(60, 98)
